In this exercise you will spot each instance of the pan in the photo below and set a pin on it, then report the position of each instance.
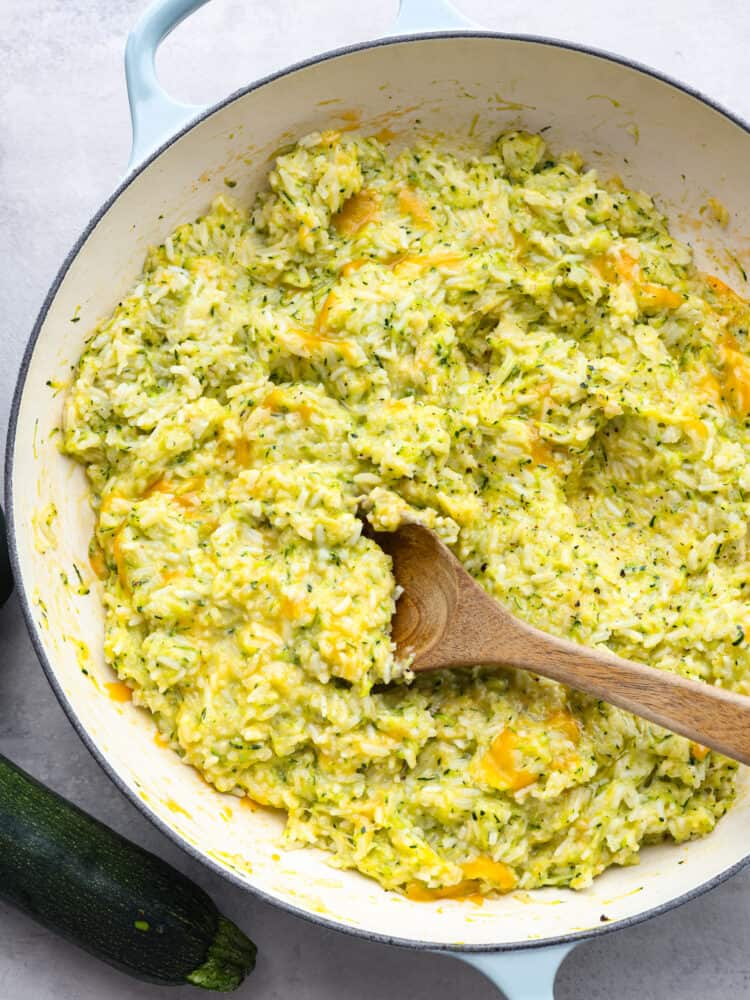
(435, 72)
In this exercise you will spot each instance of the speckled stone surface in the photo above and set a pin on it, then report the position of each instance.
(64, 139)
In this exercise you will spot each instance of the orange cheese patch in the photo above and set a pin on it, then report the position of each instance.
(243, 453)
(410, 203)
(499, 766)
(353, 265)
(564, 723)
(118, 691)
(709, 386)
(696, 428)
(698, 751)
(540, 451)
(321, 321)
(736, 376)
(355, 213)
(182, 491)
(481, 869)
(654, 297)
(487, 870)
(623, 266)
(108, 501)
(423, 261)
(313, 342)
(291, 609)
(278, 401)
(722, 288)
(418, 893)
(404, 261)
(650, 297)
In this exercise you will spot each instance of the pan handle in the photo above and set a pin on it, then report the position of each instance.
(521, 975)
(415, 16)
(154, 115)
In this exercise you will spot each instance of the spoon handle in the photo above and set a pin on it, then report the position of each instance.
(445, 619)
(709, 715)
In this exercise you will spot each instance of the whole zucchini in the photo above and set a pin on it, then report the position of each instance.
(119, 902)
(6, 576)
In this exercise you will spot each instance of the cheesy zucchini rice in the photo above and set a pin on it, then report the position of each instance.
(493, 342)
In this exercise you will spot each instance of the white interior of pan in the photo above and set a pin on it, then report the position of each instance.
(623, 122)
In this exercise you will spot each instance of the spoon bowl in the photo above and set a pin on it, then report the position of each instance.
(444, 619)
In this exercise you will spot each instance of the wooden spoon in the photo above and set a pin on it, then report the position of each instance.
(445, 619)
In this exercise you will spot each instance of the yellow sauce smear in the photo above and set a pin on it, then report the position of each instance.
(385, 134)
(247, 803)
(355, 213)
(118, 691)
(97, 563)
(175, 807)
(718, 211)
(243, 453)
(499, 768)
(353, 118)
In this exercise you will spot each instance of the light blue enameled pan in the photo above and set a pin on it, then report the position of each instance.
(442, 71)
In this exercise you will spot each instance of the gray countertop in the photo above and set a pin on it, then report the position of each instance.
(64, 139)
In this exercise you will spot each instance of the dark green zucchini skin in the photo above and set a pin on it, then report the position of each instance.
(110, 897)
(6, 576)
